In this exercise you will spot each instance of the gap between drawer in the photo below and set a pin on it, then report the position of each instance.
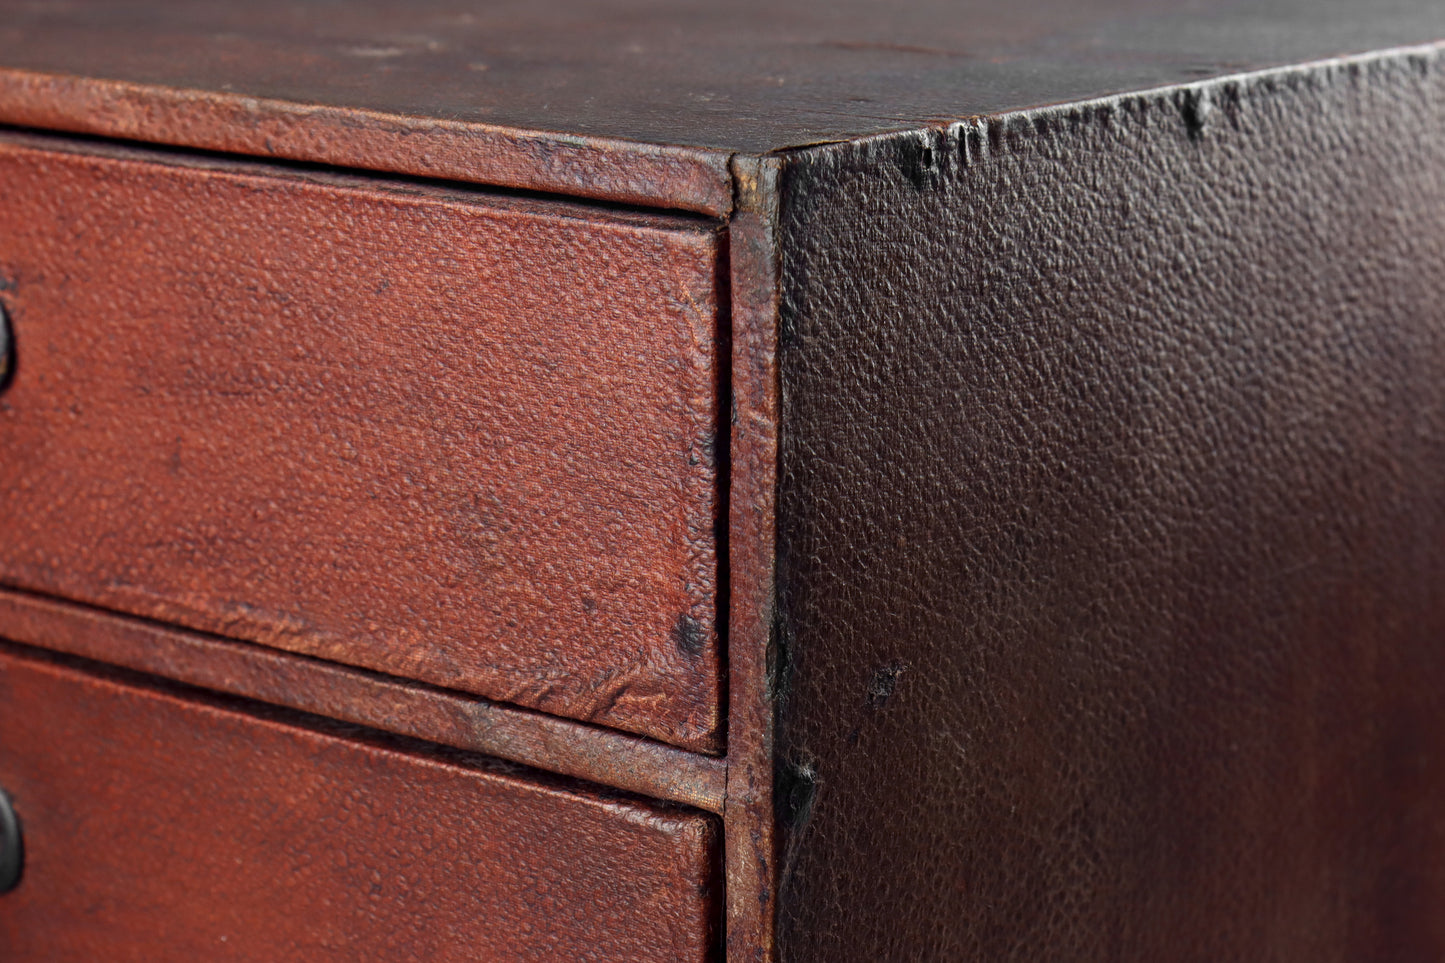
(367, 698)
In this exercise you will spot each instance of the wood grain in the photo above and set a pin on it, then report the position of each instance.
(162, 827)
(463, 439)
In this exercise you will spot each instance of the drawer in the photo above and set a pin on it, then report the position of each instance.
(460, 438)
(160, 827)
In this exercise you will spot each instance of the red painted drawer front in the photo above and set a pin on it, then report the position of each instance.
(160, 828)
(462, 439)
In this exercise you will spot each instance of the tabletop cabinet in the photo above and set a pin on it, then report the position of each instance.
(918, 481)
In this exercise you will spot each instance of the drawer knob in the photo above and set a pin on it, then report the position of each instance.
(12, 851)
(7, 349)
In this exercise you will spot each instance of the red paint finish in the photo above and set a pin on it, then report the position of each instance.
(158, 827)
(456, 438)
(751, 838)
(609, 169)
(602, 756)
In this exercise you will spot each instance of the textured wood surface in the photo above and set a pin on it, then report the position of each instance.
(165, 828)
(752, 518)
(450, 718)
(633, 100)
(1105, 623)
(461, 439)
(1113, 531)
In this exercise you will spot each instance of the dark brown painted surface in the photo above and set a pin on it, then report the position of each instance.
(1113, 531)
(458, 439)
(450, 718)
(634, 100)
(162, 828)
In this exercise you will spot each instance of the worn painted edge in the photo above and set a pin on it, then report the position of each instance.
(366, 698)
(607, 169)
(978, 138)
(750, 863)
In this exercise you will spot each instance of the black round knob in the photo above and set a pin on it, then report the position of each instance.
(12, 850)
(7, 349)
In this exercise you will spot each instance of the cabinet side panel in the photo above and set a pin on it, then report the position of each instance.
(1113, 530)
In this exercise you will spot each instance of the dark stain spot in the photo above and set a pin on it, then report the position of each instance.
(996, 131)
(779, 658)
(1194, 110)
(703, 451)
(919, 161)
(589, 605)
(688, 635)
(884, 681)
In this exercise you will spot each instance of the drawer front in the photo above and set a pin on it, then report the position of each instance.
(161, 827)
(460, 439)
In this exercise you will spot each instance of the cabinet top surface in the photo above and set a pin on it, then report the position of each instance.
(670, 87)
